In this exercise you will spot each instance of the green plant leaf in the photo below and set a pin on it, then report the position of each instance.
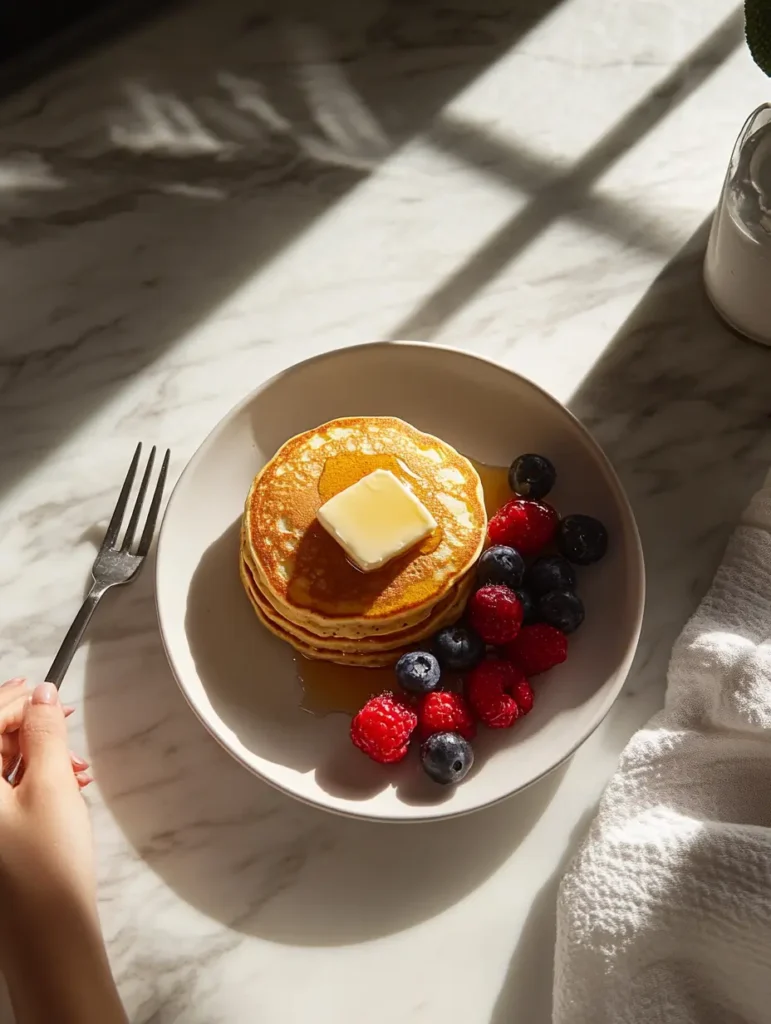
(757, 20)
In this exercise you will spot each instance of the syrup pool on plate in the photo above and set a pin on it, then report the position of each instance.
(495, 484)
(329, 688)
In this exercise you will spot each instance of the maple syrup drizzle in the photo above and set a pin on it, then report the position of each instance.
(495, 485)
(344, 470)
(327, 687)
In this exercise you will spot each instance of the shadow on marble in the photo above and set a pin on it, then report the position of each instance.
(526, 992)
(680, 405)
(568, 193)
(26, 53)
(243, 854)
(173, 165)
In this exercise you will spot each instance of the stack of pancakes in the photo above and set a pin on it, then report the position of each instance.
(298, 578)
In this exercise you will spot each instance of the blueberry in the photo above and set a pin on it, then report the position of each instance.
(532, 476)
(501, 564)
(458, 648)
(446, 757)
(562, 609)
(582, 539)
(530, 615)
(551, 573)
(418, 672)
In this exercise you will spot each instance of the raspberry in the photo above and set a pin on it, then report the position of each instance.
(537, 648)
(382, 729)
(527, 526)
(486, 687)
(445, 712)
(496, 614)
(522, 693)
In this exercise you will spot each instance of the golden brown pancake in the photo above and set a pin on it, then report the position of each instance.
(305, 574)
(367, 659)
(389, 645)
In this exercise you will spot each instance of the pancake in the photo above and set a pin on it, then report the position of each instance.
(361, 657)
(383, 659)
(305, 574)
(392, 644)
(332, 629)
(357, 659)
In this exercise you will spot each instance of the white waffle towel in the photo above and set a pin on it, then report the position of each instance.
(665, 913)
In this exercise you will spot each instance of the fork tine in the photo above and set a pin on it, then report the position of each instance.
(152, 516)
(120, 509)
(128, 540)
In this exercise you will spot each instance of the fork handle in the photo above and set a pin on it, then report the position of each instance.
(74, 636)
(63, 659)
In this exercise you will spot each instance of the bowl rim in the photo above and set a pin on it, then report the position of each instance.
(611, 478)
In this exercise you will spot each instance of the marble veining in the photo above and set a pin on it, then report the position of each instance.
(234, 186)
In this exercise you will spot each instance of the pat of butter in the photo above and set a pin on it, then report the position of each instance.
(376, 519)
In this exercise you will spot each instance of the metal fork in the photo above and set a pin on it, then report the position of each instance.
(114, 566)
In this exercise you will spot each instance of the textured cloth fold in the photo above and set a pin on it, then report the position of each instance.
(665, 913)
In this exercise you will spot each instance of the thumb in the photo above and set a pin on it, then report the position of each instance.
(43, 736)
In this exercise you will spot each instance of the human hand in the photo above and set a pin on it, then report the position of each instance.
(46, 858)
(15, 695)
(51, 947)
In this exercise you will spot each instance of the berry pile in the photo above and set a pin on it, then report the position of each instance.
(516, 627)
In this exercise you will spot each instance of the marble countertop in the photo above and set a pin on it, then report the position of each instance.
(229, 189)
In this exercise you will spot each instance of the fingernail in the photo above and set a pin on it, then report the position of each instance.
(12, 682)
(79, 763)
(84, 779)
(68, 711)
(45, 693)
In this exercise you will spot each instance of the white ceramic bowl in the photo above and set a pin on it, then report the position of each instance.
(241, 682)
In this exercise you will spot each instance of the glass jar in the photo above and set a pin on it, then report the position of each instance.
(737, 265)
